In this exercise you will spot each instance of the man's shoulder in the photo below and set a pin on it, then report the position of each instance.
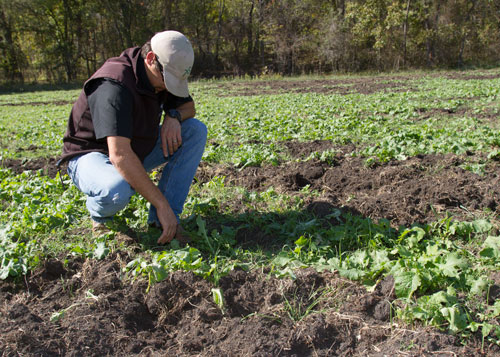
(116, 72)
(107, 87)
(131, 52)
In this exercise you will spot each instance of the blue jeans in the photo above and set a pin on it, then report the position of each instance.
(108, 192)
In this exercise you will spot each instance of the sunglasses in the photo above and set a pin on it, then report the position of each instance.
(160, 67)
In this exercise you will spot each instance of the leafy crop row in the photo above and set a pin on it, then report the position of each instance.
(442, 271)
(248, 130)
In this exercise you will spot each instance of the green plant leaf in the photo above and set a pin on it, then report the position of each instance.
(218, 298)
(478, 285)
(491, 248)
(456, 319)
(101, 251)
(485, 331)
(452, 265)
(58, 315)
(406, 282)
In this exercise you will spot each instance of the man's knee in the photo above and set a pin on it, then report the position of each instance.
(111, 199)
(197, 131)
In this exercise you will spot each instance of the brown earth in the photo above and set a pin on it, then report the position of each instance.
(326, 86)
(487, 115)
(342, 86)
(47, 165)
(417, 190)
(50, 102)
(99, 313)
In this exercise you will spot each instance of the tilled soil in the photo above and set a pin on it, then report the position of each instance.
(420, 189)
(46, 165)
(340, 86)
(262, 316)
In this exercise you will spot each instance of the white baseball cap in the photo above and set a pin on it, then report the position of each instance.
(175, 54)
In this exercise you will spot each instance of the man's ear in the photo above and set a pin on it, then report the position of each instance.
(150, 58)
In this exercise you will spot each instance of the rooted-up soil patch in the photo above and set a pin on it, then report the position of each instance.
(47, 165)
(303, 150)
(488, 116)
(420, 189)
(341, 86)
(88, 308)
(325, 86)
(466, 76)
(38, 103)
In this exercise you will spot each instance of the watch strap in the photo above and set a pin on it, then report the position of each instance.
(174, 113)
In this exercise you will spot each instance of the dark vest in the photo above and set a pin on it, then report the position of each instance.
(80, 137)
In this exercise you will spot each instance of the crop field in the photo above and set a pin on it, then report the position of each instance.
(333, 216)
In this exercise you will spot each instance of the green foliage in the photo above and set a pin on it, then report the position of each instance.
(218, 298)
(35, 202)
(385, 125)
(298, 307)
(157, 268)
(32, 128)
(440, 270)
(431, 267)
(16, 257)
(64, 40)
(33, 208)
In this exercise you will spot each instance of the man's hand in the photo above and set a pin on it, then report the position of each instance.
(168, 223)
(171, 137)
(130, 167)
(170, 133)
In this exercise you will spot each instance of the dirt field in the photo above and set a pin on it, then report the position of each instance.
(417, 190)
(108, 315)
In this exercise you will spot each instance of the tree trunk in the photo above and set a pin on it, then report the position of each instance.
(167, 19)
(430, 27)
(405, 31)
(464, 36)
(250, 32)
(222, 4)
(12, 69)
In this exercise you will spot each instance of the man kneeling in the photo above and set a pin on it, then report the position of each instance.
(114, 136)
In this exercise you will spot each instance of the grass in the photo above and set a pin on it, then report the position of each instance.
(441, 270)
(299, 307)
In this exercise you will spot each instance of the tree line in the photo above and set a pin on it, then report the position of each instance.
(67, 40)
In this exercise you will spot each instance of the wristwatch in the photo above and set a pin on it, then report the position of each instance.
(174, 113)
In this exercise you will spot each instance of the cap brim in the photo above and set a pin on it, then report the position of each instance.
(176, 86)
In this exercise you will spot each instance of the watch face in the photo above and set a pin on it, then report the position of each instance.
(175, 114)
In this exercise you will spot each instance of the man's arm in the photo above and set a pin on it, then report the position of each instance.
(130, 167)
(171, 137)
